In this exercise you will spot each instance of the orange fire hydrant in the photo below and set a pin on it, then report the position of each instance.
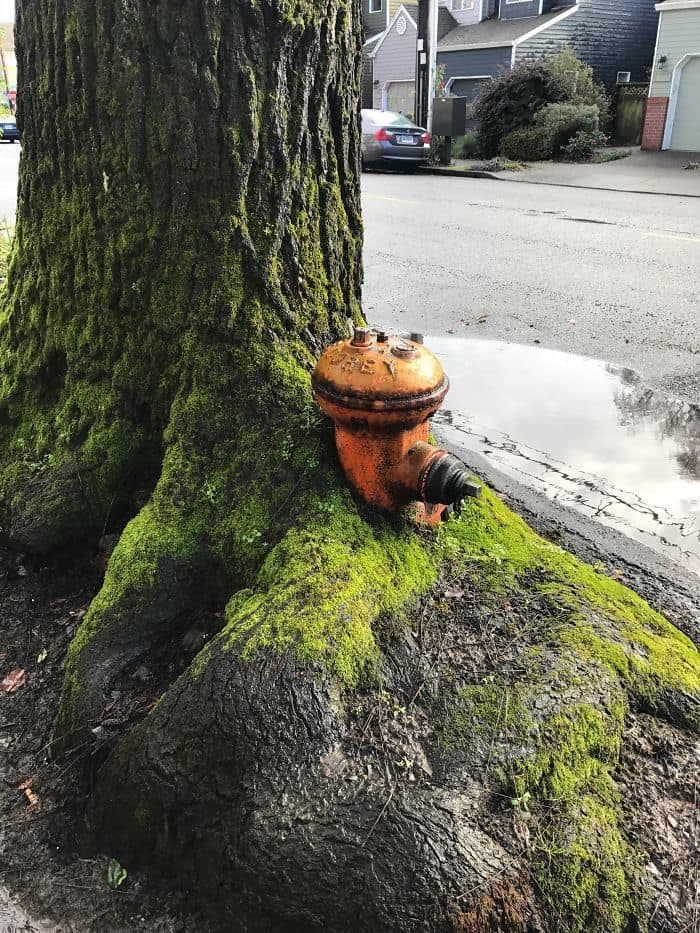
(381, 392)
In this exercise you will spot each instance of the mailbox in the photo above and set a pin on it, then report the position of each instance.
(449, 116)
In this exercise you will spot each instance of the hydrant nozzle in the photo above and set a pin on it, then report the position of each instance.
(381, 391)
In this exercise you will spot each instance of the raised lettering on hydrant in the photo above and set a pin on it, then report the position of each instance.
(381, 392)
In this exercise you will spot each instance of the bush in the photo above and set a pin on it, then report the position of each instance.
(465, 147)
(561, 122)
(528, 145)
(583, 145)
(580, 86)
(511, 100)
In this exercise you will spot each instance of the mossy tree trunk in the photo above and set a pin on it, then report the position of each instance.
(188, 237)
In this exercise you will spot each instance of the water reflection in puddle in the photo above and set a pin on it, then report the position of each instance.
(586, 433)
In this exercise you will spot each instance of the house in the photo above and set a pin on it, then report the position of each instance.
(8, 61)
(615, 37)
(673, 109)
(390, 58)
(478, 39)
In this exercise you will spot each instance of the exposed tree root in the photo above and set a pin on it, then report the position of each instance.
(330, 761)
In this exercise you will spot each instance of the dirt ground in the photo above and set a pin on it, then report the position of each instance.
(42, 798)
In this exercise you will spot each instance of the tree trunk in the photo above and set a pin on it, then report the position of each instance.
(188, 237)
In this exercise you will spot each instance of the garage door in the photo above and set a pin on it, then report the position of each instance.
(401, 97)
(686, 125)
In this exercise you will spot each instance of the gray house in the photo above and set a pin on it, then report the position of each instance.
(390, 57)
(615, 37)
(478, 39)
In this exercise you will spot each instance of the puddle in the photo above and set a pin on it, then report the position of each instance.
(585, 433)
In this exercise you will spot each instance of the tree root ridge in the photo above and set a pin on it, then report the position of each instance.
(333, 760)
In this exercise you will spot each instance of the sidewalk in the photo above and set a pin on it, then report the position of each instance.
(641, 173)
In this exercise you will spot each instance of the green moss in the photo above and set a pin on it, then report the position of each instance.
(486, 711)
(586, 870)
(322, 587)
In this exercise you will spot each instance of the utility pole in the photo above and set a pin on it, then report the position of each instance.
(432, 58)
(422, 63)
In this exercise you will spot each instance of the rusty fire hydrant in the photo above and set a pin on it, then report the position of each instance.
(380, 392)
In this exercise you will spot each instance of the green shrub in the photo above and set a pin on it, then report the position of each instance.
(582, 146)
(561, 122)
(465, 147)
(527, 145)
(612, 155)
(580, 86)
(511, 100)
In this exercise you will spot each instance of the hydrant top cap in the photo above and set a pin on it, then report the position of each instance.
(388, 373)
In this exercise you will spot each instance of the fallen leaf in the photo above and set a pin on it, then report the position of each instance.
(116, 874)
(13, 681)
(42, 656)
(454, 594)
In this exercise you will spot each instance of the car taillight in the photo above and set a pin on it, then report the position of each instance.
(383, 136)
(426, 138)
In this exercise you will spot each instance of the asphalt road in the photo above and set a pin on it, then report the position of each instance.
(604, 274)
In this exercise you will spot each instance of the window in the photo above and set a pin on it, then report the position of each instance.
(463, 4)
(624, 77)
(375, 6)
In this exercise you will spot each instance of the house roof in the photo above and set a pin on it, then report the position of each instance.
(411, 10)
(446, 22)
(677, 5)
(493, 32)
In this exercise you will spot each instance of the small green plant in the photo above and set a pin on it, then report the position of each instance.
(116, 874)
(531, 144)
(497, 165)
(583, 146)
(612, 155)
(465, 147)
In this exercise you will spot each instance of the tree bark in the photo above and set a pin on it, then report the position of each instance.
(188, 237)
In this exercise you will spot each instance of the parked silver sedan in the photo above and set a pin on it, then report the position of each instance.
(391, 139)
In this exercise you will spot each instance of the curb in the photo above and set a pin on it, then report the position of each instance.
(459, 173)
(456, 173)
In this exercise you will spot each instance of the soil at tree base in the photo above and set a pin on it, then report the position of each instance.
(42, 799)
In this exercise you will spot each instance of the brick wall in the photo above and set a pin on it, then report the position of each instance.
(655, 123)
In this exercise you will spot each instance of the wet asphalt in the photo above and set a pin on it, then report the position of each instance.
(609, 275)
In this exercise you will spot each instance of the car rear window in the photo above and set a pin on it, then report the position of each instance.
(397, 119)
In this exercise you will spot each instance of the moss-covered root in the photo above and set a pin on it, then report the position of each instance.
(237, 781)
(245, 784)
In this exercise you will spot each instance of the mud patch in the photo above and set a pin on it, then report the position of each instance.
(42, 799)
